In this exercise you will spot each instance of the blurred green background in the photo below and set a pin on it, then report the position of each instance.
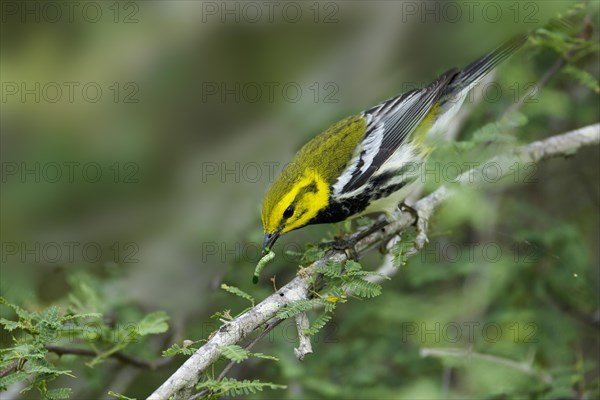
(138, 138)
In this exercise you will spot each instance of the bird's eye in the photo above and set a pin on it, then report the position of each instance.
(288, 212)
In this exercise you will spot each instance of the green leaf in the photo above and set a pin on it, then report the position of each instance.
(41, 369)
(153, 323)
(332, 269)
(177, 349)
(264, 356)
(21, 313)
(13, 378)
(86, 295)
(25, 350)
(363, 288)
(352, 266)
(234, 353)
(119, 396)
(233, 387)
(81, 316)
(318, 324)
(10, 325)
(401, 248)
(583, 77)
(238, 292)
(312, 253)
(557, 41)
(59, 393)
(297, 307)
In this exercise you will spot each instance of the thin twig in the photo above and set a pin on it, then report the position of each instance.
(524, 366)
(122, 357)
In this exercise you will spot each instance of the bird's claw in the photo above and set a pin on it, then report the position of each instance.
(346, 245)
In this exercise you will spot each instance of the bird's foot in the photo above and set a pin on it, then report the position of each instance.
(348, 244)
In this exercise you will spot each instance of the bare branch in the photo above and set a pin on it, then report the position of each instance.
(304, 347)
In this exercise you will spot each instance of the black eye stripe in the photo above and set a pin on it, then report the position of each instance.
(311, 187)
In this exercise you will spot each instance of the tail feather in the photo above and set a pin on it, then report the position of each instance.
(457, 90)
(474, 72)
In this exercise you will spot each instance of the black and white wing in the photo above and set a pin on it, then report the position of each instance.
(388, 125)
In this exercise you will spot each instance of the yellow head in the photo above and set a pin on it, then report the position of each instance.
(295, 198)
(302, 189)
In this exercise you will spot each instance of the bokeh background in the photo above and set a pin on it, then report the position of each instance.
(138, 138)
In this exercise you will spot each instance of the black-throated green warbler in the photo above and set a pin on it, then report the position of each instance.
(366, 162)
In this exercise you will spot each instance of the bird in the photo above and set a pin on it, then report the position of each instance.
(368, 163)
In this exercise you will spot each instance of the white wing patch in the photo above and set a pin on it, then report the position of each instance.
(371, 146)
(406, 157)
(365, 153)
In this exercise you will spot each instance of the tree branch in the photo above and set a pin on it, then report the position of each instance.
(122, 357)
(524, 366)
(305, 347)
(180, 384)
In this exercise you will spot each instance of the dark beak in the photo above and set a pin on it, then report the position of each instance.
(270, 239)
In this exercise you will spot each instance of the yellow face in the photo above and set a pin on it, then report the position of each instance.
(292, 206)
(302, 189)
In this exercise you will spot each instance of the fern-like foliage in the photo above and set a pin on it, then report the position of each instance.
(312, 253)
(33, 332)
(232, 387)
(234, 353)
(363, 288)
(331, 269)
(583, 77)
(177, 349)
(119, 395)
(318, 324)
(297, 307)
(238, 292)
(401, 248)
(237, 354)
